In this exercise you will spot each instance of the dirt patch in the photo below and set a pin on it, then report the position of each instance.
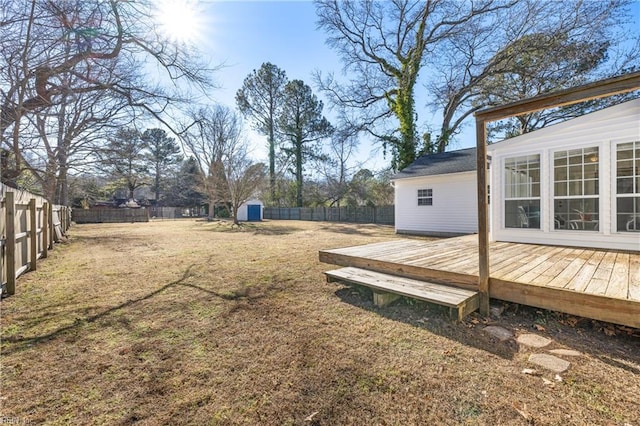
(185, 322)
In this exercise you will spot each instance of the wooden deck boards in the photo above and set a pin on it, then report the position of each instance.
(581, 281)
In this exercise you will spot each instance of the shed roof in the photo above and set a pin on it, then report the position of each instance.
(463, 160)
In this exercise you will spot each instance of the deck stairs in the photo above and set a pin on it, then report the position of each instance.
(387, 288)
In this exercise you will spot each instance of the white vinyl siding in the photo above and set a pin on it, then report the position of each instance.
(454, 208)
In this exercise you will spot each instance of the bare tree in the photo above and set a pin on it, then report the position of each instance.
(244, 178)
(56, 49)
(453, 47)
(383, 46)
(335, 167)
(529, 49)
(215, 134)
(65, 137)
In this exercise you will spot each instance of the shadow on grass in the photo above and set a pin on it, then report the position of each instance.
(430, 317)
(22, 343)
(620, 351)
(257, 228)
(358, 229)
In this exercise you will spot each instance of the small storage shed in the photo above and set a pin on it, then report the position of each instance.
(436, 195)
(576, 183)
(251, 211)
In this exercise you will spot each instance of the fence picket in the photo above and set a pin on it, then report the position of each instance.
(23, 218)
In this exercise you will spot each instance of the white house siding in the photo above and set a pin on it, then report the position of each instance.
(243, 212)
(604, 129)
(454, 209)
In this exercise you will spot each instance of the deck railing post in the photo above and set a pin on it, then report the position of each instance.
(33, 234)
(483, 223)
(10, 242)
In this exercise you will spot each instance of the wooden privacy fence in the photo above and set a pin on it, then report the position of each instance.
(110, 215)
(382, 215)
(29, 225)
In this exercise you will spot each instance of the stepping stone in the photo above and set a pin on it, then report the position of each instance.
(533, 340)
(499, 333)
(565, 352)
(550, 362)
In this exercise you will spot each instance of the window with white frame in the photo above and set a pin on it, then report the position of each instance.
(425, 197)
(522, 192)
(576, 203)
(628, 187)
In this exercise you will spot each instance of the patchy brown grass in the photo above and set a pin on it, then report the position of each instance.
(189, 322)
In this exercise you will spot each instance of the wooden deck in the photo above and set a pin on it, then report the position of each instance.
(593, 283)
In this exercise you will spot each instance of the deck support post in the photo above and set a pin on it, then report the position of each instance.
(382, 299)
(483, 220)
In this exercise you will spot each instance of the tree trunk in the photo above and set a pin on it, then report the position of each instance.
(404, 110)
(299, 173)
(235, 215)
(272, 163)
(157, 183)
(212, 206)
(62, 187)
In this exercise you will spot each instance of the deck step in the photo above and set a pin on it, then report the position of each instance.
(385, 285)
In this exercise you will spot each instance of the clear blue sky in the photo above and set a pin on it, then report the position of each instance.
(245, 34)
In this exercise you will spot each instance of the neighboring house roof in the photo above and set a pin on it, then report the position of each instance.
(463, 160)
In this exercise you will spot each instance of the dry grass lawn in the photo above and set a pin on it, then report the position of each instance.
(186, 322)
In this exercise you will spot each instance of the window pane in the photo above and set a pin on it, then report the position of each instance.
(624, 155)
(575, 159)
(559, 160)
(625, 186)
(575, 172)
(590, 171)
(535, 190)
(575, 187)
(590, 187)
(625, 168)
(560, 173)
(625, 146)
(522, 176)
(576, 214)
(522, 214)
(560, 188)
(628, 214)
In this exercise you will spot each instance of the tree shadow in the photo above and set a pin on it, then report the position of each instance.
(257, 228)
(620, 351)
(430, 317)
(357, 229)
(20, 343)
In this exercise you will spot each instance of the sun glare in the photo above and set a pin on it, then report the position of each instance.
(179, 20)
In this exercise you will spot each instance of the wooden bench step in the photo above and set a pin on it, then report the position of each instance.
(464, 301)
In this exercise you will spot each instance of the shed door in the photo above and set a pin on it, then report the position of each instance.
(253, 212)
